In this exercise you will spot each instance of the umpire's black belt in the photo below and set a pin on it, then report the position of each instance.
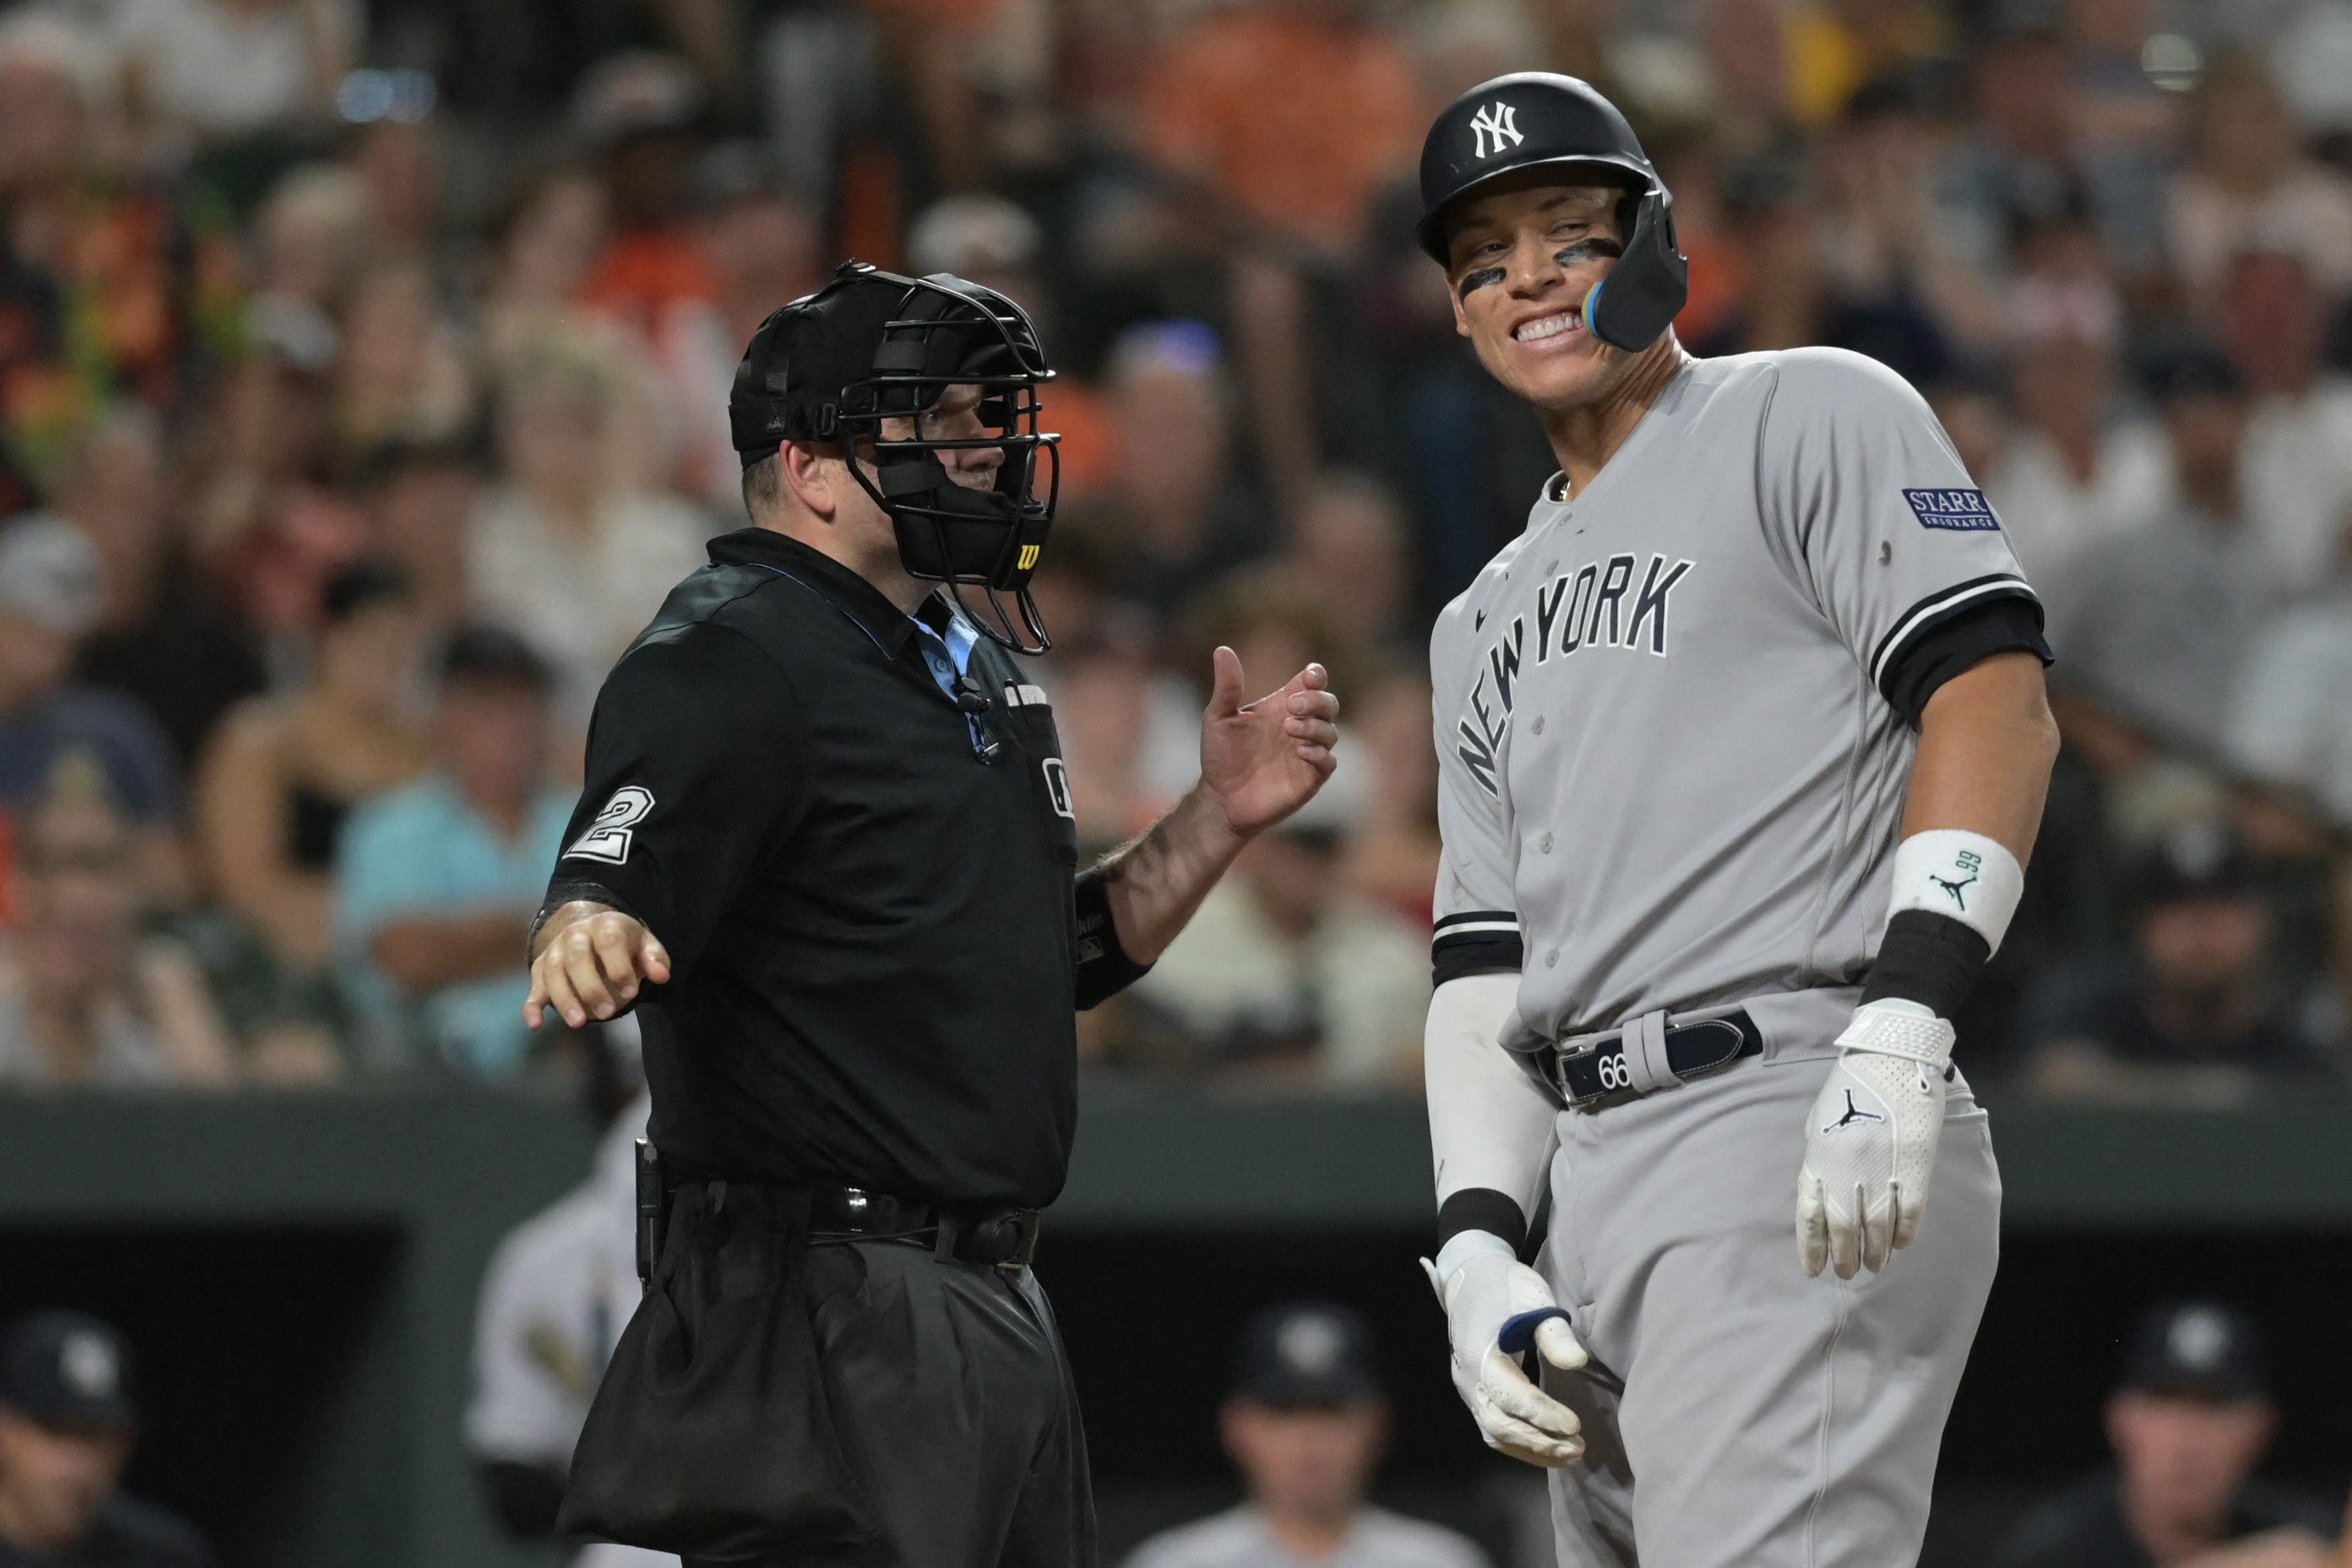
(1003, 1238)
(1646, 1056)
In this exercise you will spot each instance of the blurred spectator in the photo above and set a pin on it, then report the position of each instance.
(84, 998)
(1837, 46)
(2188, 1424)
(1392, 853)
(215, 70)
(163, 637)
(1283, 119)
(420, 498)
(2016, 164)
(2192, 1018)
(310, 240)
(558, 1292)
(402, 377)
(1347, 551)
(1189, 521)
(762, 247)
(2128, 131)
(2290, 720)
(437, 882)
(1891, 287)
(1286, 972)
(398, 161)
(654, 282)
(67, 1426)
(546, 243)
(2250, 186)
(2154, 623)
(91, 280)
(2077, 469)
(1306, 1424)
(51, 594)
(1287, 114)
(563, 553)
(2273, 321)
(286, 770)
(1131, 730)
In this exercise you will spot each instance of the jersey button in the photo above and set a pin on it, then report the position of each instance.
(1539, 723)
(1551, 959)
(1544, 843)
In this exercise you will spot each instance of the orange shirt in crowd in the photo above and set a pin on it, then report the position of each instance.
(1082, 417)
(1295, 120)
(642, 275)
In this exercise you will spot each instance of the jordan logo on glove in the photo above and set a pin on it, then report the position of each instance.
(1854, 1114)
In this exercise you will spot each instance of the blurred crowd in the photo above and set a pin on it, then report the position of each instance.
(362, 378)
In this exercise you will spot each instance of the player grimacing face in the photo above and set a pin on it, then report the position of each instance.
(1521, 259)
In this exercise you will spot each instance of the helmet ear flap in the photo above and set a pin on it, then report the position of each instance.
(1648, 286)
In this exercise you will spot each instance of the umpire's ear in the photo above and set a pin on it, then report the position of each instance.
(815, 475)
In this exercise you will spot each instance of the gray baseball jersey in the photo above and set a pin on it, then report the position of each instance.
(1673, 773)
(1667, 763)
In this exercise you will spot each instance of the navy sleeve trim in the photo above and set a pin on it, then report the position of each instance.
(1953, 646)
(1475, 942)
(1939, 606)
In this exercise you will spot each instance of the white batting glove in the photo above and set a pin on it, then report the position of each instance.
(1870, 1140)
(1482, 1285)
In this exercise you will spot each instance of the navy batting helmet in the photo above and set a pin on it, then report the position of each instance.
(1533, 119)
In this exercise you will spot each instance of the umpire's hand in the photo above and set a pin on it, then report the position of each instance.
(591, 960)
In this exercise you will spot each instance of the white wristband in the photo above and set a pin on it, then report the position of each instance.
(1966, 876)
(1895, 1027)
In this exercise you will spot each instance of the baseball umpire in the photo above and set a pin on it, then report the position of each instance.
(826, 847)
(1743, 744)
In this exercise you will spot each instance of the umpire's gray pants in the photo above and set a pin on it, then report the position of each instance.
(1736, 1411)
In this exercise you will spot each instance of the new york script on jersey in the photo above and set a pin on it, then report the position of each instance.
(1579, 609)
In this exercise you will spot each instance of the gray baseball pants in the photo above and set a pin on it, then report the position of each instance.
(1737, 1413)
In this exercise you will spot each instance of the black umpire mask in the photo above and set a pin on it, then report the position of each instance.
(877, 363)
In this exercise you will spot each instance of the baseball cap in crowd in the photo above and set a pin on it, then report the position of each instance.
(494, 655)
(50, 572)
(2197, 859)
(1307, 1353)
(2200, 1350)
(66, 1371)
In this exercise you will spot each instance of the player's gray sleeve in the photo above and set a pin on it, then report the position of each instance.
(1870, 510)
(1475, 910)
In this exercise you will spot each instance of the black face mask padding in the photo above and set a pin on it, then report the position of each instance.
(1648, 286)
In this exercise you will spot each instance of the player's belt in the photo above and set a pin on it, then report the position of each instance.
(1646, 1055)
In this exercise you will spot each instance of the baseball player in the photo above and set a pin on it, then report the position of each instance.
(1743, 745)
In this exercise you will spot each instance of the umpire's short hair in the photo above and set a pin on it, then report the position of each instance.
(493, 656)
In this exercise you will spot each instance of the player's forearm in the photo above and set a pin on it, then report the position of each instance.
(1491, 1129)
(1986, 744)
(1156, 883)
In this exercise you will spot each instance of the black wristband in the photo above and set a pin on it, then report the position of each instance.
(1929, 959)
(1482, 1208)
(1104, 970)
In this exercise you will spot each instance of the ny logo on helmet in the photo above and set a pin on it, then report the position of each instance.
(1499, 121)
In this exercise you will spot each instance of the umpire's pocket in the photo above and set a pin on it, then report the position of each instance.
(711, 1436)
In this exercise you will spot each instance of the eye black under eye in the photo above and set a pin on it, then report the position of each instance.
(1478, 279)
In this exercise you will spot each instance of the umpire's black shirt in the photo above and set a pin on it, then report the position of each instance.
(869, 927)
